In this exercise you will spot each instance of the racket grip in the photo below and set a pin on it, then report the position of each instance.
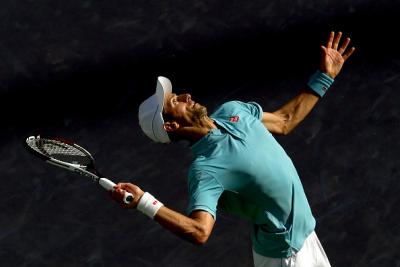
(109, 186)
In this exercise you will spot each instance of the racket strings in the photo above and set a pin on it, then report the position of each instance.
(63, 152)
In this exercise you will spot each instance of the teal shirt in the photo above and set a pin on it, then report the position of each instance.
(240, 168)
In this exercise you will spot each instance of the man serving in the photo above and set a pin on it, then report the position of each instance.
(239, 167)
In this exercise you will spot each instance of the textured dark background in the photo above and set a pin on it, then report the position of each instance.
(79, 69)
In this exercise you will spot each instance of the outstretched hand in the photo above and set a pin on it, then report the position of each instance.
(333, 56)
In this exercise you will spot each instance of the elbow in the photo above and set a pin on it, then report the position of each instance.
(201, 240)
(201, 227)
(285, 130)
(284, 124)
(201, 237)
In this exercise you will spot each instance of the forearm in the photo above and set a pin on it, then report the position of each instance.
(185, 227)
(292, 113)
(196, 228)
(295, 110)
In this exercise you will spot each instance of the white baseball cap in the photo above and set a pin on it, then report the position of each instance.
(150, 112)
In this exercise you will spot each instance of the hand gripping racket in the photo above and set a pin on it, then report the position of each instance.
(66, 154)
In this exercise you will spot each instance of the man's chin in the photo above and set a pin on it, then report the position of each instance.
(203, 110)
(200, 111)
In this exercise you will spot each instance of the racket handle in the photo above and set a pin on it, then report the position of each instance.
(109, 185)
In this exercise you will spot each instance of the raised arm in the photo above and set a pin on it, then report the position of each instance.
(286, 118)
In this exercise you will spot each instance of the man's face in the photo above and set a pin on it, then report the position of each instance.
(183, 109)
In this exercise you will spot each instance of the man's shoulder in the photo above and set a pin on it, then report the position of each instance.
(228, 107)
(231, 104)
(236, 107)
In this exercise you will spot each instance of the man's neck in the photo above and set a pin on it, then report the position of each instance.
(198, 131)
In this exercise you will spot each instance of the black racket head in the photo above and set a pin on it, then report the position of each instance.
(60, 149)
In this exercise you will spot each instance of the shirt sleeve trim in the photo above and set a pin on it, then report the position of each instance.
(203, 208)
(260, 110)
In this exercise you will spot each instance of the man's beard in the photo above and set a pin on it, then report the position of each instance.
(199, 113)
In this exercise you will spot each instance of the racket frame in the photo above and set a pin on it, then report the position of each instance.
(77, 168)
(69, 166)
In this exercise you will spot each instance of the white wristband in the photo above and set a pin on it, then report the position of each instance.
(149, 205)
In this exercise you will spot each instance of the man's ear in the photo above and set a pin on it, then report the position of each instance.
(171, 126)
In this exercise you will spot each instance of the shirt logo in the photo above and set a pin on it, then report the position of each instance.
(234, 119)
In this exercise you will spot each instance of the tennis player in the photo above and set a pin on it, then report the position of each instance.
(239, 167)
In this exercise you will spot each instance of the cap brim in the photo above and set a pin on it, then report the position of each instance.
(150, 112)
(164, 86)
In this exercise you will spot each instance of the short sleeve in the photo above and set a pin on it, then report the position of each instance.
(253, 108)
(204, 192)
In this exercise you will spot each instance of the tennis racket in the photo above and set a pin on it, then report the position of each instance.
(66, 154)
